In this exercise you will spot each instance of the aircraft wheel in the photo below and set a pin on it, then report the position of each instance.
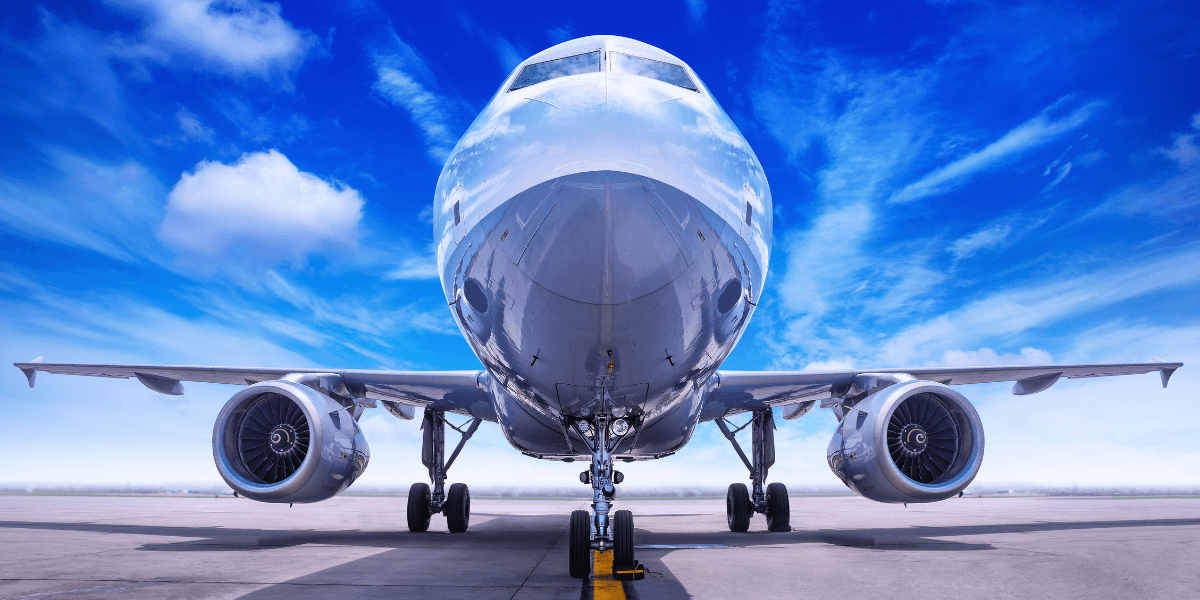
(458, 508)
(623, 538)
(737, 507)
(418, 507)
(778, 508)
(581, 544)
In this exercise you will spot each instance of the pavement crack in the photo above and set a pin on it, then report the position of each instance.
(539, 563)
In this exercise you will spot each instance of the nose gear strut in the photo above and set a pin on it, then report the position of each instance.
(607, 532)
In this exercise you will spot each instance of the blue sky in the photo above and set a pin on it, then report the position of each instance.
(245, 183)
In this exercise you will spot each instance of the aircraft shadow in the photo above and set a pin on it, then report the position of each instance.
(533, 539)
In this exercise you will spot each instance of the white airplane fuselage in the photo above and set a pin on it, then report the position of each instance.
(603, 223)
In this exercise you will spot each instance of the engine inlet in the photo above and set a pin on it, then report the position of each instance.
(273, 438)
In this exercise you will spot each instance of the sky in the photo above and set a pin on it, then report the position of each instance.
(248, 183)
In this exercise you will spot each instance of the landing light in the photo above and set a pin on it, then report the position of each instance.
(619, 411)
(620, 427)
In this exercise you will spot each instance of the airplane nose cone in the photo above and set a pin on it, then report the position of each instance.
(602, 237)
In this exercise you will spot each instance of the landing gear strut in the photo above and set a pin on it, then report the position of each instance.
(607, 426)
(424, 503)
(741, 503)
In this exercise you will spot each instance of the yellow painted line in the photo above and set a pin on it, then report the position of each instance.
(604, 587)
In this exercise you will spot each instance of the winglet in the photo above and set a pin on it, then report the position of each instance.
(31, 374)
(1164, 373)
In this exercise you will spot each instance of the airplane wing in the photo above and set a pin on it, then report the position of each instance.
(454, 391)
(740, 391)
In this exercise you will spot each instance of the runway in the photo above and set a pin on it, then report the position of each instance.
(83, 547)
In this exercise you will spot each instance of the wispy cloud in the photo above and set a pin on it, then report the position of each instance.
(106, 207)
(1022, 308)
(697, 9)
(997, 234)
(509, 55)
(1184, 151)
(561, 33)
(984, 357)
(190, 129)
(405, 80)
(415, 267)
(1177, 195)
(272, 127)
(1033, 133)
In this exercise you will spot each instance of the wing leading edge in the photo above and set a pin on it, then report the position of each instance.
(740, 391)
(456, 391)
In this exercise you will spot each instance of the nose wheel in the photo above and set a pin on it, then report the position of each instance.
(581, 544)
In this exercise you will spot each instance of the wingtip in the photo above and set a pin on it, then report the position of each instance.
(1166, 375)
(30, 374)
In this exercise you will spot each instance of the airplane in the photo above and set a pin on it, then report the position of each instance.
(603, 232)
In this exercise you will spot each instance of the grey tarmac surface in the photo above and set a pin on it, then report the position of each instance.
(82, 547)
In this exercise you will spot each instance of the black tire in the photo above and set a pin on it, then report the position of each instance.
(778, 508)
(458, 508)
(418, 507)
(581, 544)
(623, 538)
(737, 507)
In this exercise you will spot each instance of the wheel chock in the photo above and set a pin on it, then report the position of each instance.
(636, 571)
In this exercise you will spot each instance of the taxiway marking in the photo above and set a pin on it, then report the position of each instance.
(604, 587)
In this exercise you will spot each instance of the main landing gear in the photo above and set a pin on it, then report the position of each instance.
(423, 503)
(607, 426)
(742, 503)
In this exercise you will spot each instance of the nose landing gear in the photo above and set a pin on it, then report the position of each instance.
(741, 503)
(608, 426)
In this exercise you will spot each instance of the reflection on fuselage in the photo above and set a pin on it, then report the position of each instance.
(602, 223)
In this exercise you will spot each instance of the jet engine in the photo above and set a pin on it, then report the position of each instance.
(913, 441)
(280, 441)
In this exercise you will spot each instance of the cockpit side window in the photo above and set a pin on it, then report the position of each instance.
(654, 69)
(553, 69)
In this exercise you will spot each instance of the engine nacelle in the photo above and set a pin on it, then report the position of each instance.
(916, 441)
(279, 441)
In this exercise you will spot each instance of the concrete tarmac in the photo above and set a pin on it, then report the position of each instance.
(82, 547)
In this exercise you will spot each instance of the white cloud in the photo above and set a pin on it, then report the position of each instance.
(985, 357)
(235, 37)
(1028, 135)
(697, 8)
(261, 209)
(400, 71)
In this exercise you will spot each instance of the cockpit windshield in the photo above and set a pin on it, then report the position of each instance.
(561, 67)
(654, 69)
